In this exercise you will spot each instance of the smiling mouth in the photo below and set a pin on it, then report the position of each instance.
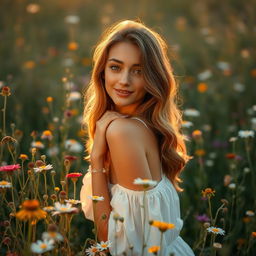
(123, 92)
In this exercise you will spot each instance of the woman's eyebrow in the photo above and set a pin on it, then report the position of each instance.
(121, 62)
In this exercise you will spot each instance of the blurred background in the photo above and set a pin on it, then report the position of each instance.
(45, 52)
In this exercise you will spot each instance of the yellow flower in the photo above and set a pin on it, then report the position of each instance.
(31, 211)
(162, 226)
(202, 87)
(49, 99)
(154, 249)
(23, 157)
(200, 152)
(208, 192)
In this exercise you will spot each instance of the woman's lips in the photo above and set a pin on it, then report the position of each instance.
(122, 93)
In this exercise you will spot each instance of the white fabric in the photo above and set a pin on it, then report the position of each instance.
(162, 204)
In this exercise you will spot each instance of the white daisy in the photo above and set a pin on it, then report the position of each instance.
(73, 146)
(5, 184)
(250, 213)
(103, 245)
(63, 208)
(145, 182)
(204, 75)
(96, 198)
(191, 112)
(73, 201)
(92, 251)
(232, 186)
(43, 168)
(245, 133)
(52, 236)
(187, 124)
(72, 19)
(73, 96)
(37, 144)
(42, 246)
(216, 231)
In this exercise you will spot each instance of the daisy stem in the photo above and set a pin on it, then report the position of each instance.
(45, 183)
(74, 182)
(9, 149)
(4, 112)
(210, 209)
(12, 189)
(161, 241)
(144, 223)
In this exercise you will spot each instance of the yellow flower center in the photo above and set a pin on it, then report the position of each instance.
(104, 245)
(3, 182)
(215, 230)
(52, 234)
(94, 249)
(43, 246)
(63, 209)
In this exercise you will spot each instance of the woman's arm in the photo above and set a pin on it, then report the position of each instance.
(99, 179)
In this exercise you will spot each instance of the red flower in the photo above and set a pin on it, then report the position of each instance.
(230, 155)
(70, 158)
(74, 175)
(9, 168)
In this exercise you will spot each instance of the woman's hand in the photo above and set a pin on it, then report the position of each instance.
(100, 147)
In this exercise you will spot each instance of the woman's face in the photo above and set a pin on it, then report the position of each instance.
(124, 80)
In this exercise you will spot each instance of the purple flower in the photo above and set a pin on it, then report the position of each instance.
(202, 218)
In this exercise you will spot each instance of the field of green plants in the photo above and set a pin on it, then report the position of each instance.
(45, 59)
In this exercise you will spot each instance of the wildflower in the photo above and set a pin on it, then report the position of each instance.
(145, 182)
(162, 226)
(31, 211)
(48, 208)
(223, 65)
(73, 201)
(154, 249)
(9, 168)
(6, 91)
(57, 189)
(217, 245)
(52, 151)
(230, 155)
(5, 184)
(187, 124)
(96, 198)
(250, 213)
(49, 99)
(73, 96)
(246, 134)
(202, 87)
(42, 246)
(64, 208)
(37, 144)
(70, 158)
(200, 152)
(233, 139)
(246, 170)
(191, 112)
(202, 218)
(51, 235)
(47, 134)
(208, 192)
(43, 168)
(23, 157)
(30, 64)
(72, 19)
(227, 180)
(74, 175)
(73, 146)
(103, 245)
(232, 186)
(204, 75)
(72, 46)
(253, 234)
(209, 162)
(92, 251)
(246, 220)
(216, 231)
(196, 134)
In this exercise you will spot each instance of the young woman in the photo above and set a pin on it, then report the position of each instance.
(134, 132)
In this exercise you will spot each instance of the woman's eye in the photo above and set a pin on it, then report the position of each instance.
(114, 67)
(137, 71)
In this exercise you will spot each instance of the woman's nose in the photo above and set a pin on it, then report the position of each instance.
(125, 78)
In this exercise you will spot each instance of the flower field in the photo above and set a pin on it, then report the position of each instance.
(45, 58)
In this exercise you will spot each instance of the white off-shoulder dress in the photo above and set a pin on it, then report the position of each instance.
(161, 203)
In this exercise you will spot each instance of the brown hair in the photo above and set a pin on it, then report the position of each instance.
(159, 107)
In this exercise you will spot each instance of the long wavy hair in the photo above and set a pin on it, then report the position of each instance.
(159, 108)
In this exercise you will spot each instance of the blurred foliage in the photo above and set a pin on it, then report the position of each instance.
(46, 49)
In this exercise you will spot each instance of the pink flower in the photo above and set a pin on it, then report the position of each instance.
(9, 168)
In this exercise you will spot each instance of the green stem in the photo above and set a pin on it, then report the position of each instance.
(4, 115)
(210, 209)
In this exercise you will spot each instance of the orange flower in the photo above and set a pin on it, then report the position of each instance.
(208, 192)
(30, 64)
(202, 87)
(253, 234)
(246, 219)
(200, 152)
(197, 134)
(162, 226)
(49, 99)
(253, 72)
(230, 155)
(5, 91)
(72, 46)
(47, 134)
(154, 249)
(31, 211)
(23, 157)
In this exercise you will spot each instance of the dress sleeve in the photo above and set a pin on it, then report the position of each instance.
(86, 190)
(161, 203)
